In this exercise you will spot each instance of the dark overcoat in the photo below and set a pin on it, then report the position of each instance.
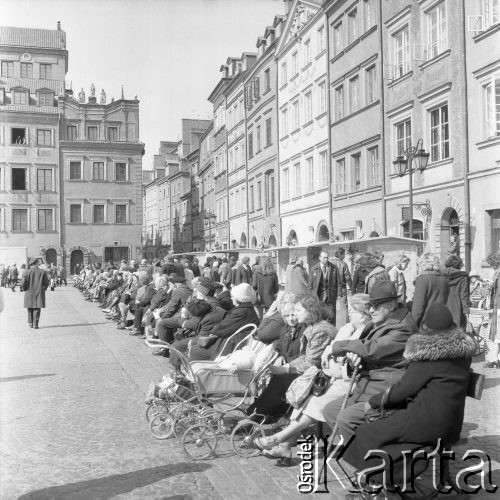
(429, 399)
(267, 287)
(458, 299)
(333, 278)
(430, 287)
(36, 282)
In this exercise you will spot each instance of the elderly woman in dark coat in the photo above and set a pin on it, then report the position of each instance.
(459, 297)
(34, 284)
(429, 400)
(209, 347)
(430, 286)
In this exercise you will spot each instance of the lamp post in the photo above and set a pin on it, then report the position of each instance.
(404, 163)
(209, 218)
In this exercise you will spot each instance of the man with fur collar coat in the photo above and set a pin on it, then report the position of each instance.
(429, 399)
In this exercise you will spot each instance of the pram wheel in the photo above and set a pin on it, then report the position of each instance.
(162, 425)
(199, 442)
(243, 436)
(186, 419)
(154, 408)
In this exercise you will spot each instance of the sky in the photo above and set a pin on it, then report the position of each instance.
(167, 52)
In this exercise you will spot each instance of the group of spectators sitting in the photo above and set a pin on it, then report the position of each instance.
(412, 359)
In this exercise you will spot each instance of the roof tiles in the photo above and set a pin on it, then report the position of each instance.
(32, 37)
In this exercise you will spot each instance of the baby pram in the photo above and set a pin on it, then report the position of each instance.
(215, 395)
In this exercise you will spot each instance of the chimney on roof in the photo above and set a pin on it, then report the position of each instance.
(58, 25)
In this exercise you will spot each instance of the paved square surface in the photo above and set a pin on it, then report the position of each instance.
(72, 420)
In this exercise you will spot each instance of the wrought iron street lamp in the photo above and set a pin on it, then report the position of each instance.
(209, 217)
(414, 157)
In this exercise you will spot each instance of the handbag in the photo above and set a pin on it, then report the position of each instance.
(480, 341)
(301, 387)
(207, 341)
(320, 384)
(382, 412)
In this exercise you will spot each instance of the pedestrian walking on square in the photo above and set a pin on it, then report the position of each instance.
(298, 279)
(492, 356)
(396, 275)
(324, 282)
(13, 275)
(34, 284)
(344, 285)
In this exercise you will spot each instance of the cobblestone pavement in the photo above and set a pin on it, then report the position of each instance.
(72, 420)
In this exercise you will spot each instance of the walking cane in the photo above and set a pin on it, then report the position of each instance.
(330, 445)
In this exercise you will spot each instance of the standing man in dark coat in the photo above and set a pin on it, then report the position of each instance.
(34, 284)
(324, 281)
(345, 282)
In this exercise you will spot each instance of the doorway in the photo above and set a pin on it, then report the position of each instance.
(76, 258)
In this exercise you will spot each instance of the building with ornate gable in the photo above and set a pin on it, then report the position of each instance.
(301, 58)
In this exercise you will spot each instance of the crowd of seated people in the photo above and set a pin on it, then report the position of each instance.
(421, 372)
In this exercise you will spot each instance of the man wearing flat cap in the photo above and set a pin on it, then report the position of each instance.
(34, 284)
(378, 352)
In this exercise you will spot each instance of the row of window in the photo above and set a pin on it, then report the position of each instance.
(361, 172)
(352, 25)
(235, 113)
(45, 180)
(435, 38)
(291, 114)
(21, 95)
(252, 88)
(236, 156)
(439, 134)
(20, 136)
(92, 133)
(290, 68)
(100, 171)
(220, 210)
(26, 70)
(300, 179)
(360, 90)
(255, 143)
(99, 214)
(255, 194)
(45, 217)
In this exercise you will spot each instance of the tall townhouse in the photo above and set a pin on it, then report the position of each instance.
(264, 224)
(236, 150)
(101, 160)
(356, 118)
(33, 67)
(194, 217)
(425, 99)
(301, 56)
(178, 176)
(482, 42)
(206, 204)
(219, 145)
(156, 193)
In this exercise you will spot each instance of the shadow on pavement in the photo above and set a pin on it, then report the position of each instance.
(118, 484)
(24, 377)
(78, 324)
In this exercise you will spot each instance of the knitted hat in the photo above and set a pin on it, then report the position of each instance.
(243, 293)
(437, 317)
(198, 307)
(215, 264)
(473, 274)
(204, 285)
(245, 260)
(359, 302)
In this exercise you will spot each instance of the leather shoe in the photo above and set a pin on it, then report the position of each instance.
(159, 352)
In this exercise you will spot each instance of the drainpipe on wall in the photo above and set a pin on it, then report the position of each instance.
(467, 235)
(382, 121)
(329, 149)
(61, 194)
